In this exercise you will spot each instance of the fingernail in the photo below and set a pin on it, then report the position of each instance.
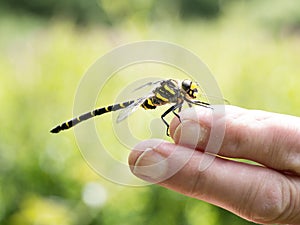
(150, 165)
(191, 134)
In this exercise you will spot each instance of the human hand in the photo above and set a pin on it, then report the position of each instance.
(266, 193)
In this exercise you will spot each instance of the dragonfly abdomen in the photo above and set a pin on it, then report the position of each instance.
(148, 104)
(88, 115)
(152, 102)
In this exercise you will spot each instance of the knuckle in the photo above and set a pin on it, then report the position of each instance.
(269, 202)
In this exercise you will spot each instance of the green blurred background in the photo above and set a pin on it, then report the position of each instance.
(252, 48)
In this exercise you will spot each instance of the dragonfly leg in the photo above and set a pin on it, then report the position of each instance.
(176, 114)
(171, 109)
(200, 103)
(179, 109)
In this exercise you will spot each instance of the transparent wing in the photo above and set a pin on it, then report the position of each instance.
(131, 108)
(149, 84)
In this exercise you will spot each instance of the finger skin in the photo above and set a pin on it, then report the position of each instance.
(253, 192)
(267, 138)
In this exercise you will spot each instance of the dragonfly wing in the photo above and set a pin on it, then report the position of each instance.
(152, 83)
(135, 105)
(130, 109)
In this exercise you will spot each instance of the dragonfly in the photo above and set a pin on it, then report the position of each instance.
(169, 91)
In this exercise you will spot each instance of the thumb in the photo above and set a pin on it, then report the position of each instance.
(156, 160)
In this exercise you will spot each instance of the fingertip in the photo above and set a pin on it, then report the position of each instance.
(132, 158)
(193, 129)
(158, 145)
(148, 161)
(142, 147)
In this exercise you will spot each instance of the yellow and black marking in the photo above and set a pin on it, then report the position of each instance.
(167, 92)
(88, 115)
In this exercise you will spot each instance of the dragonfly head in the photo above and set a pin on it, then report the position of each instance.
(190, 87)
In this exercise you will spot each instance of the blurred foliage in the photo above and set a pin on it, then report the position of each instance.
(80, 10)
(278, 16)
(253, 48)
(204, 8)
(104, 10)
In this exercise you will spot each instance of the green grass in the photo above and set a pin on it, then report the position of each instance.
(43, 175)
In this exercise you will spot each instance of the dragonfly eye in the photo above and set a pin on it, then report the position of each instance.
(186, 85)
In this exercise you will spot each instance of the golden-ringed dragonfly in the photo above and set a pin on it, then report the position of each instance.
(169, 91)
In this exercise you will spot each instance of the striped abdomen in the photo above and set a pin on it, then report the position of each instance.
(88, 115)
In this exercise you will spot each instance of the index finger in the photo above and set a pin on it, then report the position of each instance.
(267, 138)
